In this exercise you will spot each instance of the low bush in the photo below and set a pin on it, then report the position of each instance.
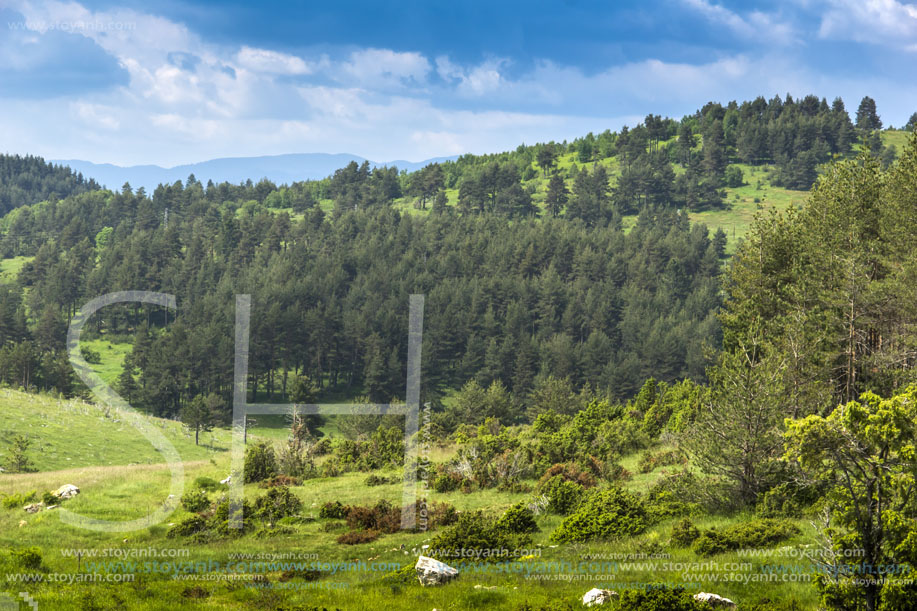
(260, 463)
(356, 537)
(563, 495)
(280, 480)
(278, 503)
(16, 501)
(663, 504)
(195, 501)
(333, 510)
(49, 499)
(756, 533)
(382, 517)
(568, 471)
(518, 519)
(477, 538)
(604, 514)
(378, 480)
(447, 482)
(659, 598)
(787, 500)
(649, 461)
(28, 558)
(188, 526)
(684, 533)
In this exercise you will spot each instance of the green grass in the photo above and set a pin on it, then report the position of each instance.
(10, 268)
(112, 355)
(71, 433)
(128, 491)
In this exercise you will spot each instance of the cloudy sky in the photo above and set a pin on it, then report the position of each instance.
(182, 81)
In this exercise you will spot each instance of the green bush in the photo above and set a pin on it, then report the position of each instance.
(188, 526)
(605, 514)
(28, 558)
(377, 480)
(563, 495)
(278, 503)
(195, 501)
(447, 482)
(684, 533)
(16, 501)
(518, 519)
(381, 517)
(260, 463)
(787, 500)
(333, 510)
(49, 499)
(476, 538)
(663, 504)
(756, 533)
(658, 599)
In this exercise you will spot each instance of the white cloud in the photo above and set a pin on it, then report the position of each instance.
(263, 60)
(758, 25)
(880, 22)
(384, 66)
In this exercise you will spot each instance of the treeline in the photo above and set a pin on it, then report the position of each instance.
(505, 301)
(28, 180)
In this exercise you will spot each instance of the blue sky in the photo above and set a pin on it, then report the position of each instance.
(176, 82)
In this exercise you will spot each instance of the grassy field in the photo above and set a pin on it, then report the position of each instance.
(93, 441)
(10, 268)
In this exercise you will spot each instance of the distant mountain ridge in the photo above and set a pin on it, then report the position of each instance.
(278, 168)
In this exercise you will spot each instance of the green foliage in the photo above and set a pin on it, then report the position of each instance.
(279, 502)
(684, 533)
(518, 519)
(475, 536)
(357, 537)
(17, 458)
(18, 500)
(381, 517)
(753, 534)
(28, 558)
(563, 495)
(189, 526)
(658, 599)
(260, 463)
(333, 510)
(208, 484)
(734, 177)
(606, 514)
(195, 501)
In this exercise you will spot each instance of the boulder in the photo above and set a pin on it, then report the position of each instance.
(432, 572)
(595, 596)
(33, 508)
(66, 491)
(715, 601)
(226, 481)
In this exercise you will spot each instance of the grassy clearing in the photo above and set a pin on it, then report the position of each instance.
(72, 433)
(10, 268)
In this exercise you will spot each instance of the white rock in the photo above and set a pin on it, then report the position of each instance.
(432, 572)
(595, 596)
(714, 600)
(33, 508)
(66, 491)
(227, 480)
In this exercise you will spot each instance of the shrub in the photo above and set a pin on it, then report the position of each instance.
(569, 471)
(16, 501)
(442, 514)
(659, 599)
(278, 503)
(49, 499)
(651, 460)
(563, 495)
(188, 526)
(333, 510)
(382, 517)
(756, 533)
(786, 500)
(477, 536)
(684, 533)
(518, 519)
(377, 480)
(260, 463)
(28, 558)
(606, 514)
(195, 501)
(280, 480)
(447, 482)
(209, 484)
(356, 537)
(663, 504)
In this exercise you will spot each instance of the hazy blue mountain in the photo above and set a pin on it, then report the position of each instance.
(278, 168)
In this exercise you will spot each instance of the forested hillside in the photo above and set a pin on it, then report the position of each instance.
(29, 180)
(599, 278)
